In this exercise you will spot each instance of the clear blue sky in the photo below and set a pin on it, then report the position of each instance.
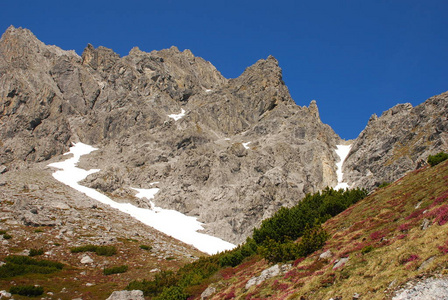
(355, 57)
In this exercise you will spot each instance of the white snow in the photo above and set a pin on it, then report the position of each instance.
(178, 116)
(208, 90)
(246, 145)
(171, 222)
(342, 151)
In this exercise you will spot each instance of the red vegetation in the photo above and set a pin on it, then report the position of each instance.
(416, 214)
(440, 214)
(377, 235)
(404, 227)
(440, 199)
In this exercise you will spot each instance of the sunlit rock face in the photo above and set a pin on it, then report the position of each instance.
(398, 141)
(228, 151)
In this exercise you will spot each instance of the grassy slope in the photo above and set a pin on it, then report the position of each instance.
(389, 220)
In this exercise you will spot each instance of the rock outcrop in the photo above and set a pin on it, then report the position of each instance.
(398, 141)
(242, 150)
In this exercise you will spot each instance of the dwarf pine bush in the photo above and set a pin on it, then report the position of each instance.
(437, 159)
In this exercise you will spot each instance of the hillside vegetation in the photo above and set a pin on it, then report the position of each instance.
(395, 235)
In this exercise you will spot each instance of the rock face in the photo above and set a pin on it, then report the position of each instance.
(242, 150)
(397, 142)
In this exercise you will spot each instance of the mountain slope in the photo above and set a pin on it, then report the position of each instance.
(242, 150)
(395, 236)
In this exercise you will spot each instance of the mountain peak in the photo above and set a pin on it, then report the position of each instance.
(314, 110)
(100, 56)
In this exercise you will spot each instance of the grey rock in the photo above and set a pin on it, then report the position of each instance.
(5, 294)
(86, 259)
(33, 218)
(431, 288)
(268, 273)
(426, 263)
(340, 263)
(326, 255)
(3, 169)
(398, 141)
(425, 224)
(208, 292)
(50, 98)
(127, 295)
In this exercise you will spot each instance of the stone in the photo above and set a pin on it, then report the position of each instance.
(3, 169)
(425, 224)
(340, 263)
(86, 259)
(208, 292)
(326, 255)
(5, 294)
(127, 295)
(268, 273)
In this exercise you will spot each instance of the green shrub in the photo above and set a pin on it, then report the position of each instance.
(7, 236)
(145, 247)
(85, 248)
(106, 250)
(234, 257)
(99, 250)
(27, 290)
(115, 270)
(438, 158)
(367, 249)
(290, 223)
(172, 293)
(312, 240)
(275, 252)
(154, 287)
(36, 252)
(2, 231)
(20, 265)
(384, 184)
(231, 259)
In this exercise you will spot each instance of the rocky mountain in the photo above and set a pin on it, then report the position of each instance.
(228, 151)
(240, 150)
(398, 141)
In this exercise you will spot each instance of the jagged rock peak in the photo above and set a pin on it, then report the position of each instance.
(272, 59)
(397, 142)
(266, 71)
(314, 110)
(100, 56)
(19, 42)
(18, 32)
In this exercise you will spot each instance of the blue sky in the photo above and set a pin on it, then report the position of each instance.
(355, 58)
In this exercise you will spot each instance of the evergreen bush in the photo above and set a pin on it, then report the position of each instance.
(115, 270)
(27, 290)
(99, 250)
(437, 159)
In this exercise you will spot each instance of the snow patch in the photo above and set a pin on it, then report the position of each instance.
(342, 151)
(178, 116)
(246, 145)
(171, 222)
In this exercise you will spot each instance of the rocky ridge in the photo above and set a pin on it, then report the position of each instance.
(242, 150)
(398, 141)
